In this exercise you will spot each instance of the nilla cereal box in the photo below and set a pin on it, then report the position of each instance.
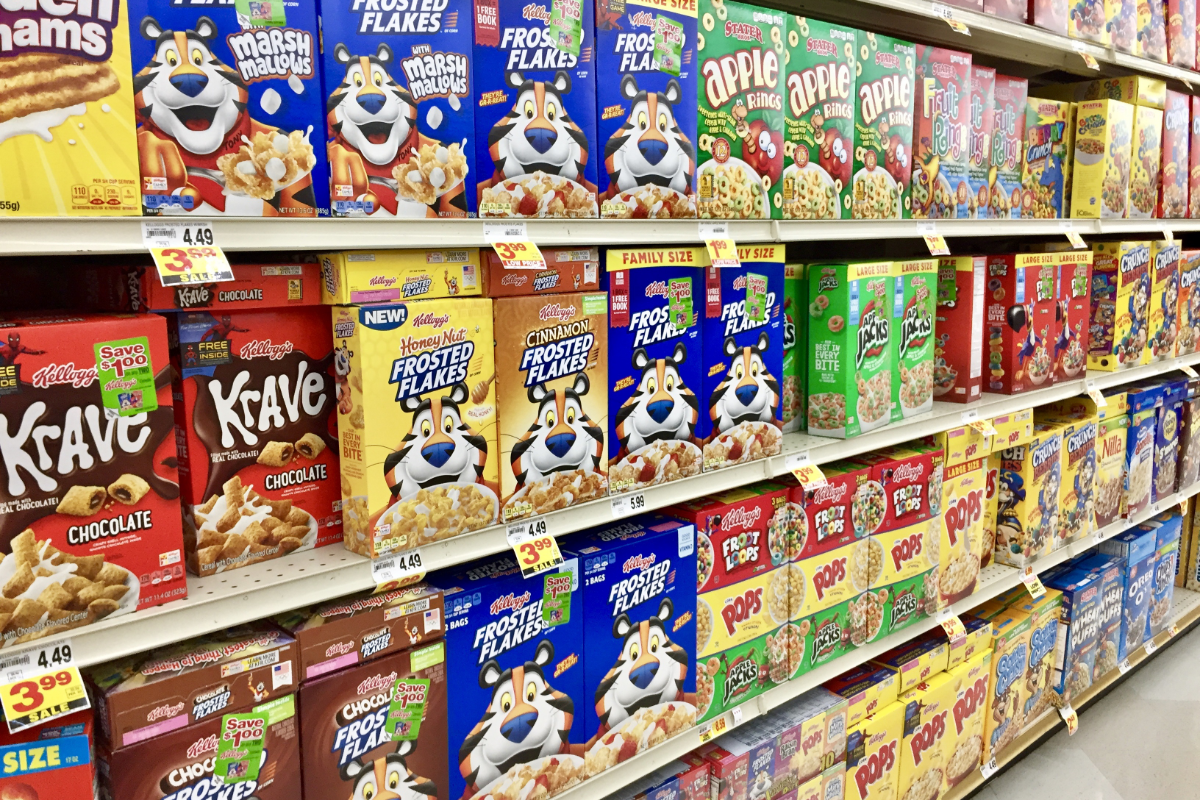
(416, 422)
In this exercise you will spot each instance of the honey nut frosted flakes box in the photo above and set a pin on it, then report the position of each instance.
(1004, 715)
(535, 110)
(966, 719)
(883, 128)
(1188, 309)
(1164, 299)
(1074, 308)
(941, 134)
(850, 367)
(980, 140)
(228, 108)
(1151, 30)
(1049, 14)
(1121, 281)
(416, 422)
(958, 360)
(1029, 506)
(1022, 321)
(740, 124)
(1181, 33)
(647, 108)
(873, 755)
(928, 731)
(1100, 178)
(383, 276)
(914, 309)
(819, 119)
(743, 334)
(1047, 158)
(961, 541)
(1193, 181)
(551, 387)
(1043, 630)
(1146, 162)
(1008, 147)
(794, 410)
(655, 365)
(1088, 20)
(1173, 192)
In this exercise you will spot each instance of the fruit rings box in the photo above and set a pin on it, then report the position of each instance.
(1030, 492)
(89, 515)
(54, 759)
(873, 755)
(517, 643)
(883, 128)
(1074, 308)
(908, 578)
(639, 635)
(1008, 147)
(742, 346)
(1121, 280)
(957, 360)
(1022, 324)
(535, 116)
(850, 367)
(925, 751)
(960, 546)
(379, 276)
(1146, 159)
(941, 134)
(1048, 124)
(1164, 300)
(647, 108)
(401, 368)
(819, 119)
(1173, 191)
(1103, 144)
(981, 136)
(1188, 340)
(914, 309)
(1194, 158)
(1005, 715)
(229, 109)
(1078, 631)
(565, 270)
(655, 365)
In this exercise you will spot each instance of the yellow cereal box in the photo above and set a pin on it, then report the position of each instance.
(1004, 716)
(963, 444)
(873, 755)
(991, 504)
(1133, 89)
(928, 729)
(395, 276)
(965, 746)
(1164, 299)
(1029, 492)
(1120, 323)
(979, 637)
(1146, 157)
(417, 426)
(552, 392)
(1100, 178)
(829, 784)
(1013, 429)
(837, 607)
(1078, 493)
(908, 582)
(867, 688)
(1043, 630)
(916, 661)
(1047, 156)
(961, 546)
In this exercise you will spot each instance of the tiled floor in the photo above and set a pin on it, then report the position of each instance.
(1140, 742)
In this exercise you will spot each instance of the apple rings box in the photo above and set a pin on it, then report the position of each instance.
(386, 276)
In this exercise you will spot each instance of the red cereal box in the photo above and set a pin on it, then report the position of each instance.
(51, 760)
(565, 270)
(981, 136)
(1049, 14)
(1181, 33)
(1022, 328)
(1006, 9)
(1074, 301)
(902, 476)
(957, 373)
(1173, 185)
(828, 520)
(1189, 303)
(1194, 161)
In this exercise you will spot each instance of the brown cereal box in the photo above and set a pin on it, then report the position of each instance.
(1146, 161)
(883, 128)
(1173, 192)
(565, 270)
(551, 388)
(392, 276)
(941, 134)
(1100, 176)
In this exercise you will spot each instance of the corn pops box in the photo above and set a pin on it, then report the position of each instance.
(913, 311)
(873, 755)
(1164, 299)
(1121, 280)
(1074, 308)
(883, 128)
(1194, 158)
(1146, 157)
(941, 134)
(1008, 147)
(1047, 159)
(1188, 311)
(1005, 714)
(1173, 192)
(821, 66)
(958, 360)
(1151, 30)
(961, 542)
(646, 108)
(1181, 33)
(1100, 180)
(740, 125)
(795, 348)
(979, 140)
(967, 715)
(909, 573)
(928, 733)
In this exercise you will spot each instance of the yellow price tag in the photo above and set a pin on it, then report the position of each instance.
(1189, 370)
(713, 729)
(1090, 60)
(723, 253)
(1172, 630)
(810, 476)
(1076, 240)
(198, 264)
(937, 245)
(1071, 718)
(519, 255)
(33, 701)
(535, 549)
(1033, 583)
(983, 426)
(952, 625)
(959, 26)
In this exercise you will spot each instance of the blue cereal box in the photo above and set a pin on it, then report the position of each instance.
(1112, 595)
(646, 108)
(1137, 548)
(654, 365)
(639, 608)
(1078, 631)
(743, 359)
(399, 125)
(228, 108)
(535, 114)
(514, 671)
(1170, 527)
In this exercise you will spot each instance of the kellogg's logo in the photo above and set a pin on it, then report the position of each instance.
(638, 562)
(556, 312)
(534, 11)
(741, 517)
(200, 747)
(263, 348)
(509, 602)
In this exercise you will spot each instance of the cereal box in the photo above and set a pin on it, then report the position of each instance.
(795, 348)
(1123, 22)
(1100, 180)
(514, 661)
(820, 715)
(1007, 9)
(1074, 311)
(836, 609)
(867, 688)
(1189, 442)
(1170, 525)
(743, 761)
(978, 638)
(819, 119)
(873, 755)
(228, 107)
(639, 635)
(883, 128)
(1151, 30)
(1173, 191)
(71, 85)
(743, 358)
(909, 567)
(1005, 713)
(899, 491)
(1008, 147)
(1043, 629)
(424, 368)
(1047, 159)
(390, 276)
(1121, 280)
(1078, 631)
(1194, 157)
(991, 507)
(1133, 89)
(958, 360)
(915, 661)
(1164, 299)
(535, 115)
(966, 718)
(1028, 510)
(551, 378)
(961, 544)
(850, 367)
(1111, 571)
(981, 136)
(1181, 33)
(566, 270)
(740, 122)
(928, 731)
(1078, 504)
(1139, 460)
(55, 758)
(655, 365)
(831, 512)
(1188, 308)
(941, 134)
(1089, 20)
(914, 309)
(646, 108)
(1137, 548)
(1168, 426)
(1147, 160)
(1022, 320)
(1049, 14)
(89, 519)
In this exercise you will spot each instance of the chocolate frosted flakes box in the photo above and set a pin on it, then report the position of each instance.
(647, 108)
(883, 128)
(535, 113)
(227, 103)
(399, 124)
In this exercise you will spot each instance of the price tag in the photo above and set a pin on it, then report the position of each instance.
(623, 505)
(1090, 61)
(1076, 240)
(1124, 666)
(737, 715)
(519, 255)
(989, 769)
(713, 230)
(723, 253)
(1070, 717)
(810, 476)
(1169, 235)
(1151, 647)
(712, 730)
(1093, 392)
(32, 701)
(951, 624)
(1172, 630)
(937, 245)
(970, 416)
(1187, 83)
(393, 571)
(984, 426)
(162, 233)
(535, 549)
(185, 265)
(509, 231)
(1189, 370)
(18, 665)
(1032, 582)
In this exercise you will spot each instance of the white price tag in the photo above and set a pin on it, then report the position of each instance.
(713, 230)
(509, 231)
(737, 715)
(24, 664)
(397, 567)
(970, 416)
(1169, 235)
(1070, 717)
(926, 228)
(526, 529)
(160, 233)
(624, 505)
(989, 769)
(1151, 647)
(1124, 666)
(797, 460)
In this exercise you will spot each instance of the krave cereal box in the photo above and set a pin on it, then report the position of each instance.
(883, 128)
(1121, 280)
(980, 138)
(1100, 180)
(647, 108)
(1173, 191)
(941, 134)
(913, 313)
(228, 108)
(1008, 147)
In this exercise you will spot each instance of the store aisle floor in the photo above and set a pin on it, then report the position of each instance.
(1139, 742)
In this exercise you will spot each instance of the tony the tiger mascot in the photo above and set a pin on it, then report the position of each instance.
(650, 148)
(661, 408)
(439, 449)
(749, 392)
(191, 110)
(562, 438)
(388, 777)
(525, 720)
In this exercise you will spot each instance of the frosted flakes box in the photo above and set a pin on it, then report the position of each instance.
(414, 392)
(514, 666)
(1100, 176)
(565, 270)
(1151, 30)
(1193, 181)
(928, 732)
(388, 276)
(883, 128)
(1164, 299)
(819, 119)
(1188, 309)
(535, 109)
(1074, 308)
(1029, 510)
(1121, 280)
(1181, 33)
(914, 309)
(980, 138)
(795, 348)
(1146, 162)
(1008, 147)
(941, 134)
(655, 365)
(646, 108)
(1022, 321)
(1005, 707)
(743, 358)
(739, 129)
(1047, 159)
(1173, 189)
(873, 755)
(228, 107)
(552, 400)
(958, 360)
(69, 145)
(399, 119)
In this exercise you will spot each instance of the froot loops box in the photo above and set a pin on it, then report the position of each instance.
(941, 134)
(883, 128)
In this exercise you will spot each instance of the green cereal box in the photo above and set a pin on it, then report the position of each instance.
(850, 350)
(1046, 158)
(740, 125)
(883, 128)
(795, 347)
(818, 119)
(941, 135)
(913, 311)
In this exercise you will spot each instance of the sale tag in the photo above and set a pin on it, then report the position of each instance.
(393, 571)
(1188, 370)
(186, 265)
(989, 769)
(984, 426)
(937, 245)
(1151, 647)
(713, 729)
(535, 549)
(1094, 393)
(810, 476)
(1032, 582)
(1169, 235)
(18, 665)
(1124, 666)
(623, 505)
(239, 747)
(1071, 718)
(519, 255)
(951, 624)
(1172, 630)
(34, 700)
(1090, 61)
(407, 707)
(723, 253)
(1076, 240)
